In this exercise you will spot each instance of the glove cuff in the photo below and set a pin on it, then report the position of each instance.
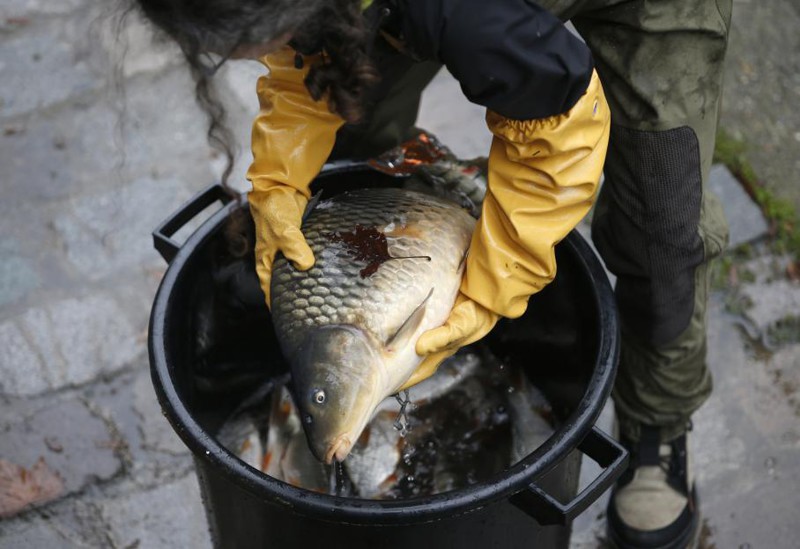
(543, 177)
(293, 135)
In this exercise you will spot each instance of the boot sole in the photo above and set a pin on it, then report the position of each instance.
(687, 540)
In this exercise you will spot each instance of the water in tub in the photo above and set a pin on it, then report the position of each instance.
(471, 420)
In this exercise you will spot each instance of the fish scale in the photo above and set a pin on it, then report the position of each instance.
(388, 267)
(333, 291)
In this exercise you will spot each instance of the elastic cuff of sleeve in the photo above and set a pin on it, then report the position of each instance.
(521, 131)
(264, 185)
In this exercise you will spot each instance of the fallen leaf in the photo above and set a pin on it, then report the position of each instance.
(18, 21)
(733, 276)
(369, 245)
(20, 487)
(793, 270)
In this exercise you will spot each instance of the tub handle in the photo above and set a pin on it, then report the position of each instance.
(162, 236)
(547, 510)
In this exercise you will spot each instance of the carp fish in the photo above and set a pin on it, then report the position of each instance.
(472, 402)
(388, 267)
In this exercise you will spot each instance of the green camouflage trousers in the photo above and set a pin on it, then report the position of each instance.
(656, 224)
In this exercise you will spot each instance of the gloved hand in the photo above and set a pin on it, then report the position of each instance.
(293, 135)
(469, 321)
(278, 213)
(543, 177)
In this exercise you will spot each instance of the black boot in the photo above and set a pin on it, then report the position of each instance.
(654, 504)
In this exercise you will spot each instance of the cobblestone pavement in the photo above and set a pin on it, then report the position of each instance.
(96, 148)
(762, 86)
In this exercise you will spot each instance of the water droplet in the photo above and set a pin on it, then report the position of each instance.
(402, 423)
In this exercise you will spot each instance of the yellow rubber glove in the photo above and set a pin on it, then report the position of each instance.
(293, 135)
(469, 321)
(543, 177)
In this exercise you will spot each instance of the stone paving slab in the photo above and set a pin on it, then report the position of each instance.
(747, 440)
(60, 342)
(127, 43)
(74, 443)
(51, 59)
(153, 453)
(104, 144)
(130, 402)
(106, 233)
(70, 523)
(17, 275)
(58, 51)
(772, 301)
(38, 534)
(25, 9)
(746, 223)
(23, 372)
(762, 89)
(166, 516)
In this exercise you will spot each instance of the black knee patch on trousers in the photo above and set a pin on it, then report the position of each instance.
(646, 229)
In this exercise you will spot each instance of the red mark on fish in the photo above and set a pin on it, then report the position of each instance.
(367, 244)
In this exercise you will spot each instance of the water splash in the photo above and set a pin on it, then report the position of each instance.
(340, 483)
(403, 421)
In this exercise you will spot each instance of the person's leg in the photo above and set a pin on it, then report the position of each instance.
(656, 224)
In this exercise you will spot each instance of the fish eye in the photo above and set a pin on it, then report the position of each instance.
(319, 396)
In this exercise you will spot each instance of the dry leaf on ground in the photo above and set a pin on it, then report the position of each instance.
(20, 487)
(793, 270)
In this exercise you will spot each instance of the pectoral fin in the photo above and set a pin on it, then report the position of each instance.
(427, 368)
(312, 203)
(409, 326)
(463, 261)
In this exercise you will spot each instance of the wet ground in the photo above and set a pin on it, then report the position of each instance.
(77, 276)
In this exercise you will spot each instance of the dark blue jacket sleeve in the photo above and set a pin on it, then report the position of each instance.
(510, 56)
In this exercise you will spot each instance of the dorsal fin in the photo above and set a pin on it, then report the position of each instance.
(409, 326)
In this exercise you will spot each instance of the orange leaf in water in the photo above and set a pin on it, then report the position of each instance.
(20, 487)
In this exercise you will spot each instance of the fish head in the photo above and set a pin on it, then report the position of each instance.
(336, 377)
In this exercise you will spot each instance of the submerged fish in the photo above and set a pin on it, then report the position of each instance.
(469, 421)
(286, 456)
(388, 267)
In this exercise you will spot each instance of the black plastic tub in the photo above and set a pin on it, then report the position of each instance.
(209, 346)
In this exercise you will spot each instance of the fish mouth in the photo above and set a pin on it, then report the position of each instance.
(339, 449)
